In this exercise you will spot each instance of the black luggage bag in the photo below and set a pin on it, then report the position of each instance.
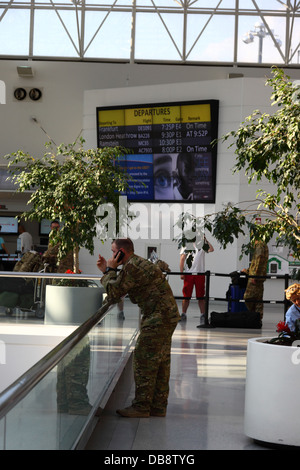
(243, 319)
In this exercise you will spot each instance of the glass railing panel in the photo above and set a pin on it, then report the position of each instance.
(56, 411)
(33, 422)
(22, 298)
(41, 296)
(2, 434)
(110, 341)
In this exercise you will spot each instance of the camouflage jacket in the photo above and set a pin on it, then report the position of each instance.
(30, 262)
(55, 266)
(146, 285)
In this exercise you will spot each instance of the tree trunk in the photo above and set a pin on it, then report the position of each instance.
(76, 259)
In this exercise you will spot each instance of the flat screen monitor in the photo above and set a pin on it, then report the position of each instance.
(45, 227)
(9, 225)
(171, 153)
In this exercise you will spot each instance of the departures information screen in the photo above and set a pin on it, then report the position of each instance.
(171, 157)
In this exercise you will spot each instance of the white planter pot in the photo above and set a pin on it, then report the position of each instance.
(71, 305)
(272, 411)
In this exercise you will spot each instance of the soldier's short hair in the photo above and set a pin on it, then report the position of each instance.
(125, 243)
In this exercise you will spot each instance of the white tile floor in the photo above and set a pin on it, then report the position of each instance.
(206, 402)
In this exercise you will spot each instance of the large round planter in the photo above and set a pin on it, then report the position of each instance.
(272, 411)
(71, 305)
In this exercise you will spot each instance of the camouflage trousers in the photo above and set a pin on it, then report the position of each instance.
(151, 366)
(253, 295)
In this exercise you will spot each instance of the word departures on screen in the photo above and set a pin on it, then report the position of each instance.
(171, 153)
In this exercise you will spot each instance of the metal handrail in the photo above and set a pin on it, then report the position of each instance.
(49, 275)
(24, 384)
(16, 391)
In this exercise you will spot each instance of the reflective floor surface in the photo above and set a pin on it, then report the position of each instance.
(206, 402)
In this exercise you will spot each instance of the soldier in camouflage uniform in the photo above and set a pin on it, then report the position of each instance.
(255, 287)
(146, 285)
(50, 256)
(55, 266)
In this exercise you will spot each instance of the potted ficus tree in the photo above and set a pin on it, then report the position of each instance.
(267, 149)
(68, 184)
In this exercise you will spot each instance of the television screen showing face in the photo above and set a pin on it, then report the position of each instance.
(171, 153)
(9, 225)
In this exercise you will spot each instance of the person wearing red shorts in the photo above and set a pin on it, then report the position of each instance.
(197, 265)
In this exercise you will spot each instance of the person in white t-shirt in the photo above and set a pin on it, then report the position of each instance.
(193, 261)
(25, 242)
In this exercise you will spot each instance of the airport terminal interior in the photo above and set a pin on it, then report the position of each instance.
(206, 401)
(62, 64)
(207, 394)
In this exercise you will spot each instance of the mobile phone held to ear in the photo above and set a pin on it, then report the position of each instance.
(119, 256)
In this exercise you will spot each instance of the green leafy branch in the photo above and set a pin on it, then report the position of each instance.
(267, 149)
(69, 183)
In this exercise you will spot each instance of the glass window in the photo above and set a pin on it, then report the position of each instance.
(108, 35)
(216, 42)
(255, 44)
(172, 4)
(158, 38)
(148, 3)
(272, 5)
(108, 3)
(14, 32)
(246, 5)
(45, 2)
(295, 43)
(159, 35)
(55, 33)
